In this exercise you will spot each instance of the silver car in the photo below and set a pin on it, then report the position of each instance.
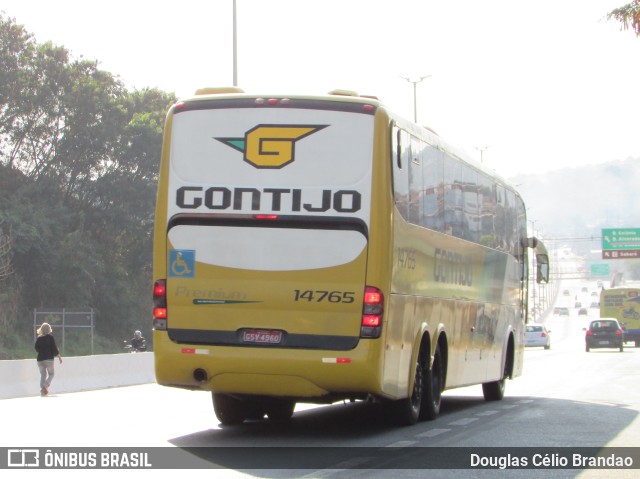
(538, 335)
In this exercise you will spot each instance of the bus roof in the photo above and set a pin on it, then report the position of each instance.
(340, 95)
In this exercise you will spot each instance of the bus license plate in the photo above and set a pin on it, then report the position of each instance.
(263, 336)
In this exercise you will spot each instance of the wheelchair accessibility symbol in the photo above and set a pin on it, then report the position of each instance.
(182, 263)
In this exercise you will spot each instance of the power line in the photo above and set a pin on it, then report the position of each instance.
(577, 238)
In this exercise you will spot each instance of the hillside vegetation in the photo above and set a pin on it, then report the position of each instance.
(79, 158)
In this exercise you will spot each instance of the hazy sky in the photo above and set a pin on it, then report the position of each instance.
(545, 84)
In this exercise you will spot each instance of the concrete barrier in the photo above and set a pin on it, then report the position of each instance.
(21, 378)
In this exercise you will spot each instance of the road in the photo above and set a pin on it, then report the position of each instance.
(566, 397)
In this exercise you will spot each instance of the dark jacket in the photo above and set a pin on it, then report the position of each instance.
(46, 347)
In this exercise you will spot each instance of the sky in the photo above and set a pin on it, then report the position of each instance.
(524, 86)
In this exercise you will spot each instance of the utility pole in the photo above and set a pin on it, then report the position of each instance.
(235, 45)
(415, 102)
(482, 150)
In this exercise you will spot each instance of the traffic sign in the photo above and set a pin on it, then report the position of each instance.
(599, 269)
(628, 254)
(620, 239)
(620, 243)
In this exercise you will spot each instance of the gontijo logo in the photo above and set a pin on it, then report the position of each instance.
(271, 146)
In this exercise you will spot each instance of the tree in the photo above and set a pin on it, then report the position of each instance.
(79, 159)
(628, 15)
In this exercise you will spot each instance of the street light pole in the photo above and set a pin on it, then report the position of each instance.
(482, 150)
(415, 102)
(534, 297)
(235, 46)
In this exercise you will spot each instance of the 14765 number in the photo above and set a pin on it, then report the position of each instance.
(319, 296)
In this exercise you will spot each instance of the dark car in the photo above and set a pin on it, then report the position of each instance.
(583, 312)
(604, 333)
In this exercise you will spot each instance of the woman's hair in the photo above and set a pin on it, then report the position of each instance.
(44, 329)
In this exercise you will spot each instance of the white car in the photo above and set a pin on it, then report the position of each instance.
(538, 335)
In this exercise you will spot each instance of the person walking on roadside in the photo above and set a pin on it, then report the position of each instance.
(47, 351)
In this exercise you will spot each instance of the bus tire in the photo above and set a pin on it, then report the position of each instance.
(406, 412)
(433, 386)
(254, 410)
(280, 409)
(229, 410)
(494, 391)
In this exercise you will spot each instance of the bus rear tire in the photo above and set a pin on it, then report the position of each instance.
(406, 412)
(494, 391)
(434, 384)
(280, 410)
(229, 410)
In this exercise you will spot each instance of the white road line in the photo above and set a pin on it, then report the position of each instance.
(463, 421)
(487, 413)
(402, 444)
(433, 433)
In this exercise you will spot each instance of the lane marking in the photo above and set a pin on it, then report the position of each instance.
(487, 413)
(402, 444)
(463, 421)
(433, 433)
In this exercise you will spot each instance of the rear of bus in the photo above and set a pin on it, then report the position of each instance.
(624, 305)
(261, 245)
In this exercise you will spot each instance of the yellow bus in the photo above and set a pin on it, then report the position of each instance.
(623, 303)
(321, 248)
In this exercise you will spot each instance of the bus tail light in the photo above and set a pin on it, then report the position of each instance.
(372, 309)
(160, 305)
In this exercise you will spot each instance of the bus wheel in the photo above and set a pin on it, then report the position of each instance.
(229, 410)
(253, 410)
(494, 391)
(434, 384)
(406, 412)
(281, 410)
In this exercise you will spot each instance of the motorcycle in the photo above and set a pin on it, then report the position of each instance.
(128, 347)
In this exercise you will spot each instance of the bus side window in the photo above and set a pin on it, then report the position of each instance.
(416, 189)
(433, 161)
(401, 175)
(398, 148)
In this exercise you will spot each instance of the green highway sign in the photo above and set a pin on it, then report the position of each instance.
(600, 269)
(620, 239)
(618, 243)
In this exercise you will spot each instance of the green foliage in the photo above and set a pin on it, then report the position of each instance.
(79, 158)
(628, 15)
